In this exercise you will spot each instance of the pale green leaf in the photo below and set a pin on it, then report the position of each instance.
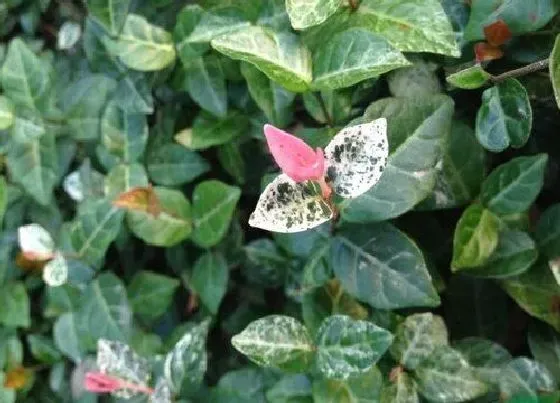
(6, 113)
(307, 13)
(469, 78)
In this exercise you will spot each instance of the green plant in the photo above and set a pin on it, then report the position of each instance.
(133, 154)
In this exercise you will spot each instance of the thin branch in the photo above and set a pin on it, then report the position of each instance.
(530, 68)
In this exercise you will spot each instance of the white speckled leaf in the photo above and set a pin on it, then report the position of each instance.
(526, 377)
(73, 186)
(55, 272)
(417, 337)
(347, 347)
(162, 392)
(356, 157)
(287, 206)
(36, 241)
(119, 360)
(307, 13)
(276, 341)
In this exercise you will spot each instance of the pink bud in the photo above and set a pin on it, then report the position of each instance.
(100, 383)
(293, 156)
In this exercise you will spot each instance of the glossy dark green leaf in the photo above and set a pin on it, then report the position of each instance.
(488, 358)
(213, 206)
(347, 347)
(209, 280)
(206, 84)
(171, 164)
(505, 116)
(414, 129)
(276, 341)
(475, 239)
(16, 308)
(514, 186)
(544, 342)
(372, 268)
(232, 161)
(150, 294)
(43, 349)
(547, 234)
(353, 56)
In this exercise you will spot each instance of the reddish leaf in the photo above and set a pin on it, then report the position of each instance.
(139, 199)
(497, 33)
(485, 52)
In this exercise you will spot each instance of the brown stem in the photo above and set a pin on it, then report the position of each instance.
(530, 68)
(354, 4)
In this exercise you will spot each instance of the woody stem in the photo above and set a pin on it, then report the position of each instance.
(530, 68)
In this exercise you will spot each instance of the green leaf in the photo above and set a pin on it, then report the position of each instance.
(548, 232)
(505, 116)
(7, 116)
(27, 126)
(206, 85)
(196, 27)
(280, 56)
(520, 16)
(43, 349)
(514, 186)
(554, 69)
(15, 305)
(276, 341)
(526, 377)
(417, 337)
(111, 14)
(460, 172)
(3, 199)
(275, 101)
(143, 46)
(171, 164)
(8, 395)
(416, 133)
(470, 78)
(347, 347)
(26, 79)
(213, 206)
(291, 389)
(95, 227)
(209, 280)
(364, 388)
(123, 134)
(186, 364)
(134, 95)
(475, 238)
(402, 390)
(353, 56)
(66, 336)
(545, 346)
(34, 165)
(445, 376)
(537, 292)
(516, 252)
(307, 13)
(104, 312)
(171, 225)
(232, 161)
(150, 294)
(486, 357)
(123, 178)
(381, 266)
(208, 131)
(415, 81)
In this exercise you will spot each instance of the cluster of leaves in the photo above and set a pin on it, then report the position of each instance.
(132, 156)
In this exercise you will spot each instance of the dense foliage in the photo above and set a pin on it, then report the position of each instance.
(132, 155)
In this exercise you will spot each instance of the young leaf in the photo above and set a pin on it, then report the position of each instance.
(470, 78)
(279, 55)
(150, 294)
(356, 158)
(353, 56)
(372, 265)
(213, 206)
(347, 347)
(445, 376)
(185, 365)
(505, 116)
(514, 186)
(276, 341)
(111, 14)
(210, 279)
(417, 337)
(475, 239)
(304, 14)
(143, 46)
(287, 206)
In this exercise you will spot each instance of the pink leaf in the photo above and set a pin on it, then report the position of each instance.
(100, 383)
(296, 159)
